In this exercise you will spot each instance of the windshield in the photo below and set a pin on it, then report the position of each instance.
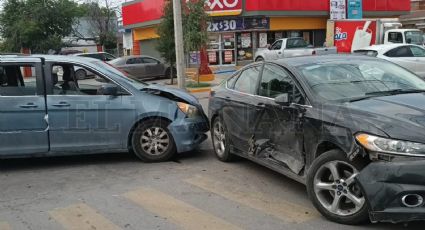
(346, 81)
(109, 69)
(415, 37)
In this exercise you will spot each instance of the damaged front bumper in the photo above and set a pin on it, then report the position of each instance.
(395, 191)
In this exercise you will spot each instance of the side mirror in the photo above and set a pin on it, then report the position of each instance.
(282, 99)
(108, 89)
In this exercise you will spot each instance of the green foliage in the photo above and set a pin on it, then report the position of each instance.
(194, 25)
(166, 43)
(36, 24)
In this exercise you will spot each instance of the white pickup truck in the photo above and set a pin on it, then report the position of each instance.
(290, 47)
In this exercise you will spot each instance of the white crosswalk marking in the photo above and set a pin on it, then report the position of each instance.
(284, 210)
(180, 213)
(81, 217)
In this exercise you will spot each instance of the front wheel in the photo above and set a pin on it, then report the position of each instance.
(152, 141)
(220, 140)
(333, 190)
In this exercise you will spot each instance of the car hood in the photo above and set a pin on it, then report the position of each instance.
(171, 93)
(399, 116)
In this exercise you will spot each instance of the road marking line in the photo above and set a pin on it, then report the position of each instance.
(4, 226)
(81, 217)
(180, 213)
(276, 207)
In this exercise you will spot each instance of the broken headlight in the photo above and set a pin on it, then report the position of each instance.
(189, 110)
(390, 146)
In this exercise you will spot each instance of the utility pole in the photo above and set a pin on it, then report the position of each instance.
(178, 34)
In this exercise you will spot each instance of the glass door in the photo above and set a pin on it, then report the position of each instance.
(213, 50)
(228, 48)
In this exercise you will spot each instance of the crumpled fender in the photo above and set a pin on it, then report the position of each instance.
(385, 183)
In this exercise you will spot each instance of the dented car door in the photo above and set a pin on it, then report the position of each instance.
(279, 131)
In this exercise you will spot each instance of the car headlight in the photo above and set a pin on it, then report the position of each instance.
(189, 110)
(390, 146)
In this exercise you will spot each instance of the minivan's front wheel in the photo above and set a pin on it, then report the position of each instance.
(333, 190)
(220, 141)
(152, 142)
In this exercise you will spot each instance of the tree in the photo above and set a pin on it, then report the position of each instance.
(195, 31)
(38, 25)
(166, 43)
(101, 16)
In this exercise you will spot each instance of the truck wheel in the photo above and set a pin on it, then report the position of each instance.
(333, 190)
(259, 59)
(152, 141)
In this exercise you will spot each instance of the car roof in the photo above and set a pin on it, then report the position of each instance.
(386, 47)
(137, 56)
(306, 60)
(49, 58)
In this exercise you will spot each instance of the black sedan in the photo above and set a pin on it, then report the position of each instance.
(350, 128)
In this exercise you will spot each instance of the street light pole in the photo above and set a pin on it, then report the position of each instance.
(178, 34)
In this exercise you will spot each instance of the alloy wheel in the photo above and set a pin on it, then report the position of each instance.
(219, 137)
(155, 141)
(336, 189)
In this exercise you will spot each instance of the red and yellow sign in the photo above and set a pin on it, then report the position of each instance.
(223, 7)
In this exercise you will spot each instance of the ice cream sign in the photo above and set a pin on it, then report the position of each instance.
(223, 7)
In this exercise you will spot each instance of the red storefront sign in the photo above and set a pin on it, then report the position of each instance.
(144, 11)
(224, 7)
(350, 35)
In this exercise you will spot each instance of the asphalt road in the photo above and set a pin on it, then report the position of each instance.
(117, 191)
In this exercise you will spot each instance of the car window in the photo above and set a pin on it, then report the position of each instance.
(248, 80)
(276, 81)
(395, 37)
(108, 57)
(296, 43)
(417, 51)
(403, 51)
(277, 45)
(66, 83)
(149, 60)
(132, 61)
(13, 81)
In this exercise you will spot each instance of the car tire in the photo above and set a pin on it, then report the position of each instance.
(259, 59)
(153, 142)
(320, 192)
(80, 74)
(168, 73)
(221, 141)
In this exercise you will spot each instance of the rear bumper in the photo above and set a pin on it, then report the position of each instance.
(189, 133)
(386, 183)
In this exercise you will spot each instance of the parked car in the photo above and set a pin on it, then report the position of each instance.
(48, 115)
(290, 47)
(143, 67)
(103, 56)
(411, 57)
(351, 128)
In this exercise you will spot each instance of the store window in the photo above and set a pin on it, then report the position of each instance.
(245, 46)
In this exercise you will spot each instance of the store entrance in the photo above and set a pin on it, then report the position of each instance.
(222, 49)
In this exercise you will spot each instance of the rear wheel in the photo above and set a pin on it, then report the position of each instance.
(220, 141)
(152, 141)
(333, 190)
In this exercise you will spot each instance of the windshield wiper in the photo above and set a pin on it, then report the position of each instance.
(395, 92)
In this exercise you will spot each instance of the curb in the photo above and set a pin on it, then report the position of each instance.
(199, 90)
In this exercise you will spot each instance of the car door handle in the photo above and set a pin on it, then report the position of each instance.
(227, 98)
(61, 104)
(29, 106)
(261, 106)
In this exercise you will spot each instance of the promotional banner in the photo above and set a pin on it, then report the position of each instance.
(353, 35)
(237, 24)
(355, 9)
(337, 9)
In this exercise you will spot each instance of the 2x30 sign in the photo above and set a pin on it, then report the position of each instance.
(223, 7)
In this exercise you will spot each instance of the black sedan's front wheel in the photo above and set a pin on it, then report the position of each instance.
(152, 141)
(332, 188)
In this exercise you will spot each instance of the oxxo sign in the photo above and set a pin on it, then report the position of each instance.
(223, 7)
